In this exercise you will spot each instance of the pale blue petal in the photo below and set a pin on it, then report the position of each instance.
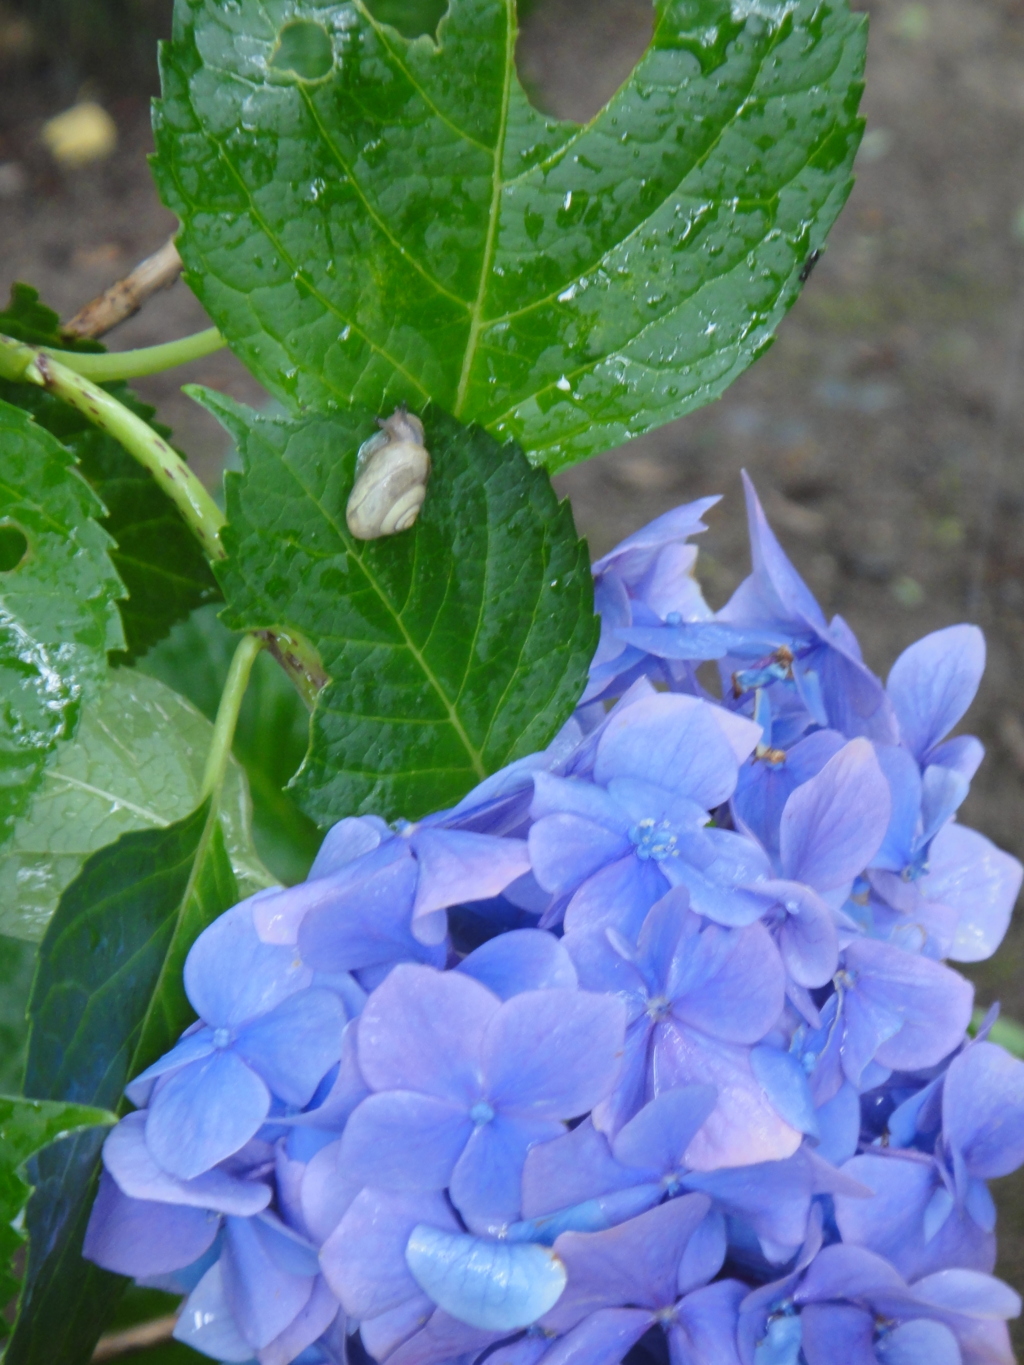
(934, 682)
(552, 1054)
(347, 840)
(903, 775)
(656, 1138)
(672, 741)
(231, 976)
(603, 1338)
(729, 983)
(127, 1157)
(785, 1083)
(486, 1183)
(921, 1342)
(328, 1189)
(206, 1322)
(138, 1237)
(632, 557)
(565, 849)
(205, 1113)
(423, 1029)
(570, 1170)
(983, 1110)
(264, 1295)
(521, 960)
(781, 1342)
(838, 1332)
(970, 1292)
(593, 1215)
(979, 883)
(573, 796)
(497, 1286)
(363, 1260)
(400, 1140)
(307, 1327)
(456, 866)
(617, 897)
(193, 1047)
(706, 1325)
(295, 1045)
(834, 824)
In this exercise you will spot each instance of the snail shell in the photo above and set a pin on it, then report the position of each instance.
(392, 469)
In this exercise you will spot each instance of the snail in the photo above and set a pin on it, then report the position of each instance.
(392, 469)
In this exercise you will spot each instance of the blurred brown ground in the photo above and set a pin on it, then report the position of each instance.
(884, 428)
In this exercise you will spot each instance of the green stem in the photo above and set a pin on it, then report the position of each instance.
(30, 365)
(149, 360)
(227, 713)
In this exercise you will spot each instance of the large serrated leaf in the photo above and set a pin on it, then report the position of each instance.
(108, 999)
(160, 562)
(136, 762)
(26, 1126)
(382, 219)
(452, 648)
(58, 604)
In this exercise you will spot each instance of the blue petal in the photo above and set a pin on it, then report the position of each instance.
(785, 1083)
(295, 1045)
(499, 1286)
(593, 1215)
(921, 1342)
(231, 976)
(933, 683)
(140, 1238)
(206, 1322)
(521, 960)
(347, 840)
(205, 1113)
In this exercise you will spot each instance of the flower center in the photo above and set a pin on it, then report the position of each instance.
(658, 1006)
(653, 839)
(221, 1037)
(481, 1113)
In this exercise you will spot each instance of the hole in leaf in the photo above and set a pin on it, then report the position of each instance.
(13, 547)
(412, 18)
(304, 50)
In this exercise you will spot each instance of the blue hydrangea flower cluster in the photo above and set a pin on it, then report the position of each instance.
(648, 1048)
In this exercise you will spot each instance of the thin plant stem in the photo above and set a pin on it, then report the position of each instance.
(123, 299)
(34, 366)
(112, 365)
(227, 713)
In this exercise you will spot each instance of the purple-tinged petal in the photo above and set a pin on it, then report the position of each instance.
(231, 976)
(386, 1332)
(983, 1110)
(443, 1338)
(775, 592)
(205, 1113)
(728, 983)
(264, 1294)
(719, 889)
(674, 742)
(456, 865)
(328, 1189)
(603, 1338)
(363, 1260)
(903, 775)
(934, 682)
(963, 754)
(422, 1030)
(348, 1089)
(565, 849)
(192, 1047)
(602, 968)
(571, 1169)
(486, 1183)
(833, 825)
(138, 1237)
(846, 1272)
(634, 1087)
(295, 1045)
(920, 1342)
(970, 1292)
(979, 882)
(808, 936)
(656, 1138)
(839, 1125)
(837, 1332)
(366, 919)
(401, 1140)
(773, 1197)
(743, 1127)
(575, 796)
(705, 1325)
(304, 1329)
(928, 1005)
(765, 785)
(784, 1081)
(127, 1157)
(636, 1263)
(521, 960)
(496, 1286)
(207, 1324)
(632, 557)
(617, 897)
(553, 1053)
(346, 841)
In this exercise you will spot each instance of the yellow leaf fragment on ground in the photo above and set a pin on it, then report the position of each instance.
(80, 135)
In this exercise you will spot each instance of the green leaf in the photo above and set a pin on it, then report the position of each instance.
(410, 228)
(271, 737)
(411, 17)
(108, 999)
(452, 648)
(17, 964)
(26, 1126)
(26, 318)
(157, 557)
(58, 604)
(137, 762)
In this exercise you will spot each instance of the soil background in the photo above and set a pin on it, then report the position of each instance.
(883, 429)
